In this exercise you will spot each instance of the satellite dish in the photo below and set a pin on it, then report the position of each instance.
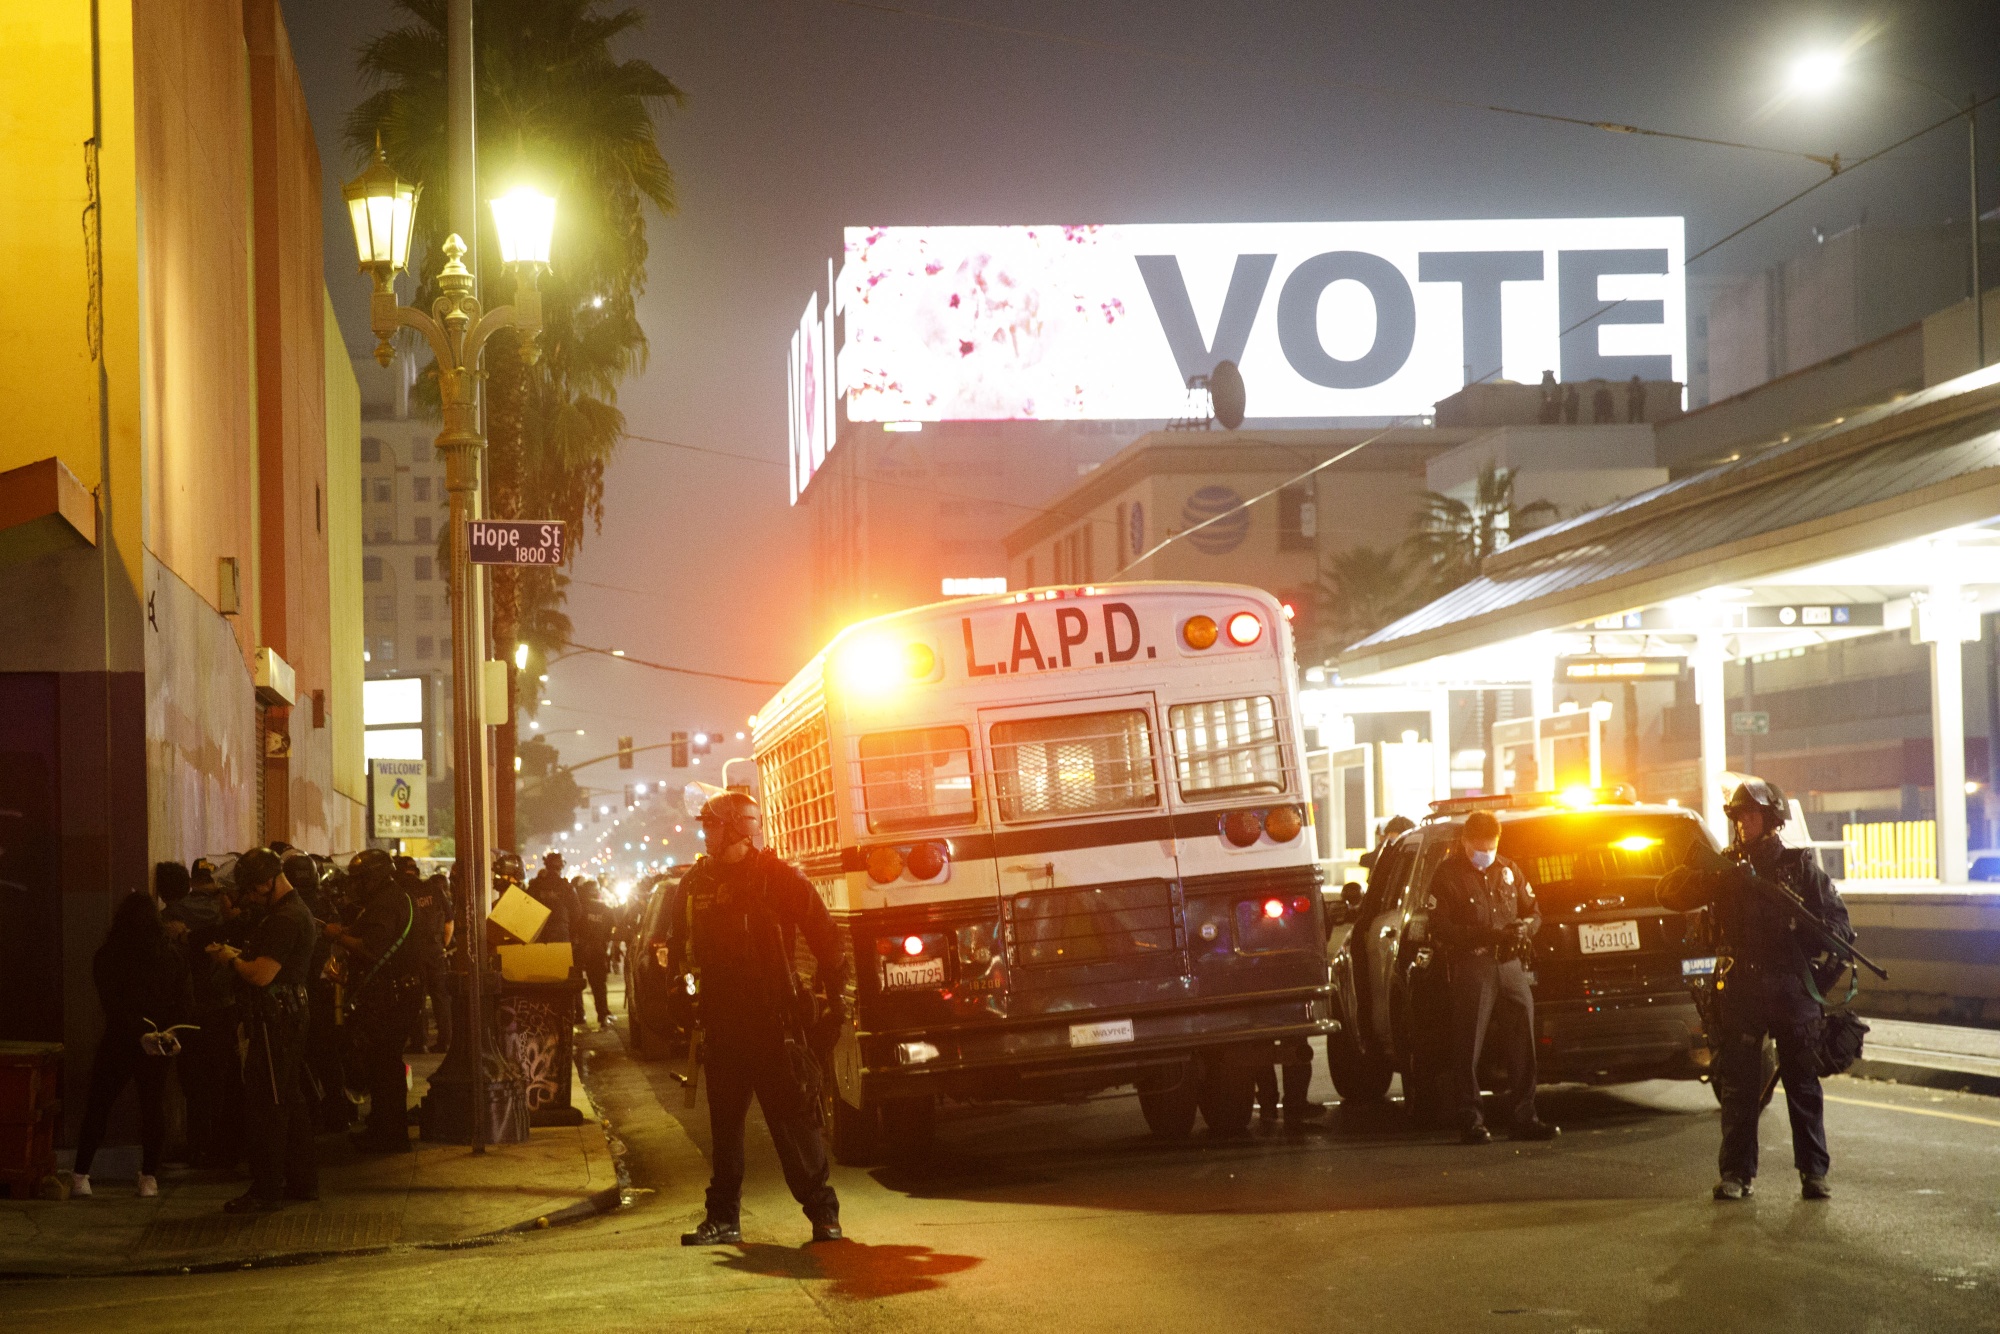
(1225, 390)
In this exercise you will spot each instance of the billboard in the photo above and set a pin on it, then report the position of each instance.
(1325, 319)
(813, 395)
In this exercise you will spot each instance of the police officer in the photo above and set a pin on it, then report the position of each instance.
(554, 893)
(1766, 984)
(592, 931)
(270, 973)
(437, 914)
(744, 906)
(385, 989)
(1483, 915)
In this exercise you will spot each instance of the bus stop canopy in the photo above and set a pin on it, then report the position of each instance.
(1863, 524)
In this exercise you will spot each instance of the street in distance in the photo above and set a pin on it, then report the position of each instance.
(516, 541)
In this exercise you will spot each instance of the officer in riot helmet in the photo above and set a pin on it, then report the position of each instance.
(384, 944)
(270, 974)
(557, 895)
(1769, 981)
(759, 1027)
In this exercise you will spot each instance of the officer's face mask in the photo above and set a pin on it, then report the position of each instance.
(1482, 857)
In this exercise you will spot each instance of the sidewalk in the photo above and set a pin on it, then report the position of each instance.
(437, 1196)
(1931, 1056)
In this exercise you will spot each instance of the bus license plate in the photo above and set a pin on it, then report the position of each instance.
(1100, 1034)
(1698, 967)
(1607, 937)
(922, 973)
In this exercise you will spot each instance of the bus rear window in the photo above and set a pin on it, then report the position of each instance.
(919, 779)
(1227, 746)
(1083, 764)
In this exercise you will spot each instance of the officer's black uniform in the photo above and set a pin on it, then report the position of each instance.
(432, 897)
(592, 933)
(1764, 992)
(278, 1121)
(386, 977)
(553, 892)
(744, 916)
(1481, 921)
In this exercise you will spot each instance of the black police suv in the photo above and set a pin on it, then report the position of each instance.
(1611, 968)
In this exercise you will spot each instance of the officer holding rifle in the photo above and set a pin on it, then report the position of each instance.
(1782, 938)
(760, 1030)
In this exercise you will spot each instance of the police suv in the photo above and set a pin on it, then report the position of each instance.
(1611, 968)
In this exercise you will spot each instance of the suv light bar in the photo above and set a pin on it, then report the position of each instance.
(1618, 794)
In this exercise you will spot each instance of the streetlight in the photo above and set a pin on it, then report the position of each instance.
(1818, 72)
(382, 207)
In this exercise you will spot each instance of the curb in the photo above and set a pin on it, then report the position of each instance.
(1927, 1076)
(591, 1206)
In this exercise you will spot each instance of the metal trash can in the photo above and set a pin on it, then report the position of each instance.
(537, 1031)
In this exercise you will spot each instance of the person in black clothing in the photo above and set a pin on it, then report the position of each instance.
(435, 914)
(211, 1076)
(554, 893)
(270, 972)
(1770, 986)
(744, 905)
(385, 989)
(142, 982)
(1483, 914)
(595, 919)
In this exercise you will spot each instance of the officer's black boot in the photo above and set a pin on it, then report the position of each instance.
(827, 1229)
(1814, 1187)
(713, 1232)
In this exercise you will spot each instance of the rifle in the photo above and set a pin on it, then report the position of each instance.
(1829, 941)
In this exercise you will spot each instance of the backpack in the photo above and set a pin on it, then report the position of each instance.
(1840, 1036)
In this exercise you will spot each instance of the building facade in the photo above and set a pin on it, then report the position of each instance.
(406, 613)
(179, 586)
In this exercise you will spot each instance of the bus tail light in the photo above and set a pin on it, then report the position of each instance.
(1283, 824)
(1302, 905)
(1241, 828)
(913, 945)
(1245, 629)
(926, 860)
(884, 864)
(1274, 908)
(1198, 632)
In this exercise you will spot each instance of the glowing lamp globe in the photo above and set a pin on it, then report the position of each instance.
(525, 220)
(382, 206)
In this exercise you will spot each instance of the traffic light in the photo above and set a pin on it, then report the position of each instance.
(680, 749)
(625, 753)
(701, 742)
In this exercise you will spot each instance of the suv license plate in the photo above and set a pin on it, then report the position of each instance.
(1100, 1034)
(923, 973)
(1698, 967)
(1607, 937)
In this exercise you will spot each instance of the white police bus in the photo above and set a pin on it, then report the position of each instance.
(1064, 835)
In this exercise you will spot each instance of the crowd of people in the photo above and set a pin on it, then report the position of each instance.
(281, 993)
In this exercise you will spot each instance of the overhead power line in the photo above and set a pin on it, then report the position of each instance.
(1830, 161)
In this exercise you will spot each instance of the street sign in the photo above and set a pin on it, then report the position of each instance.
(1757, 723)
(1609, 667)
(402, 799)
(516, 541)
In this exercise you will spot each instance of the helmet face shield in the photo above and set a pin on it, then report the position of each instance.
(1758, 795)
(728, 819)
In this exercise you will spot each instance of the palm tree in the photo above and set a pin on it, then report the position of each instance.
(553, 106)
(1451, 539)
(1364, 589)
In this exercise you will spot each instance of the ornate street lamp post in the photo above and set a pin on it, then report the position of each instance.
(382, 207)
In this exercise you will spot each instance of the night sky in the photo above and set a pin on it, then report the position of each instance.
(807, 115)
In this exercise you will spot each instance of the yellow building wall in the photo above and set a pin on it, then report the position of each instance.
(200, 395)
(343, 527)
(67, 227)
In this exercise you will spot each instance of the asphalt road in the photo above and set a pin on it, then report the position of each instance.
(1067, 1218)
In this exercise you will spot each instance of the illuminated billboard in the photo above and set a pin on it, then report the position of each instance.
(812, 400)
(1325, 319)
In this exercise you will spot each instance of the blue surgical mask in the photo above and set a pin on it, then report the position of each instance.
(1481, 859)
